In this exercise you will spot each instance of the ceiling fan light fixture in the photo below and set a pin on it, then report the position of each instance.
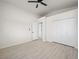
(38, 1)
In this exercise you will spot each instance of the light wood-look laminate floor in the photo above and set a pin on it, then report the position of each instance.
(38, 50)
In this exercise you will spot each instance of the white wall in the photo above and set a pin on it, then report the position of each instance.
(62, 28)
(14, 25)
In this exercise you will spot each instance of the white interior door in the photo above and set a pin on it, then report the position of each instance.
(34, 31)
(40, 31)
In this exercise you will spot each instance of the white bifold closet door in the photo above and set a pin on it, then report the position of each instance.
(63, 31)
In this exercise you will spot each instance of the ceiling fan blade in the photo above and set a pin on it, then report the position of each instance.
(37, 6)
(43, 3)
(33, 1)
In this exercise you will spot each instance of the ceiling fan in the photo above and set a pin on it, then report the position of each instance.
(38, 1)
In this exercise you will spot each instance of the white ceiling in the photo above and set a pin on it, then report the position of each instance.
(53, 5)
